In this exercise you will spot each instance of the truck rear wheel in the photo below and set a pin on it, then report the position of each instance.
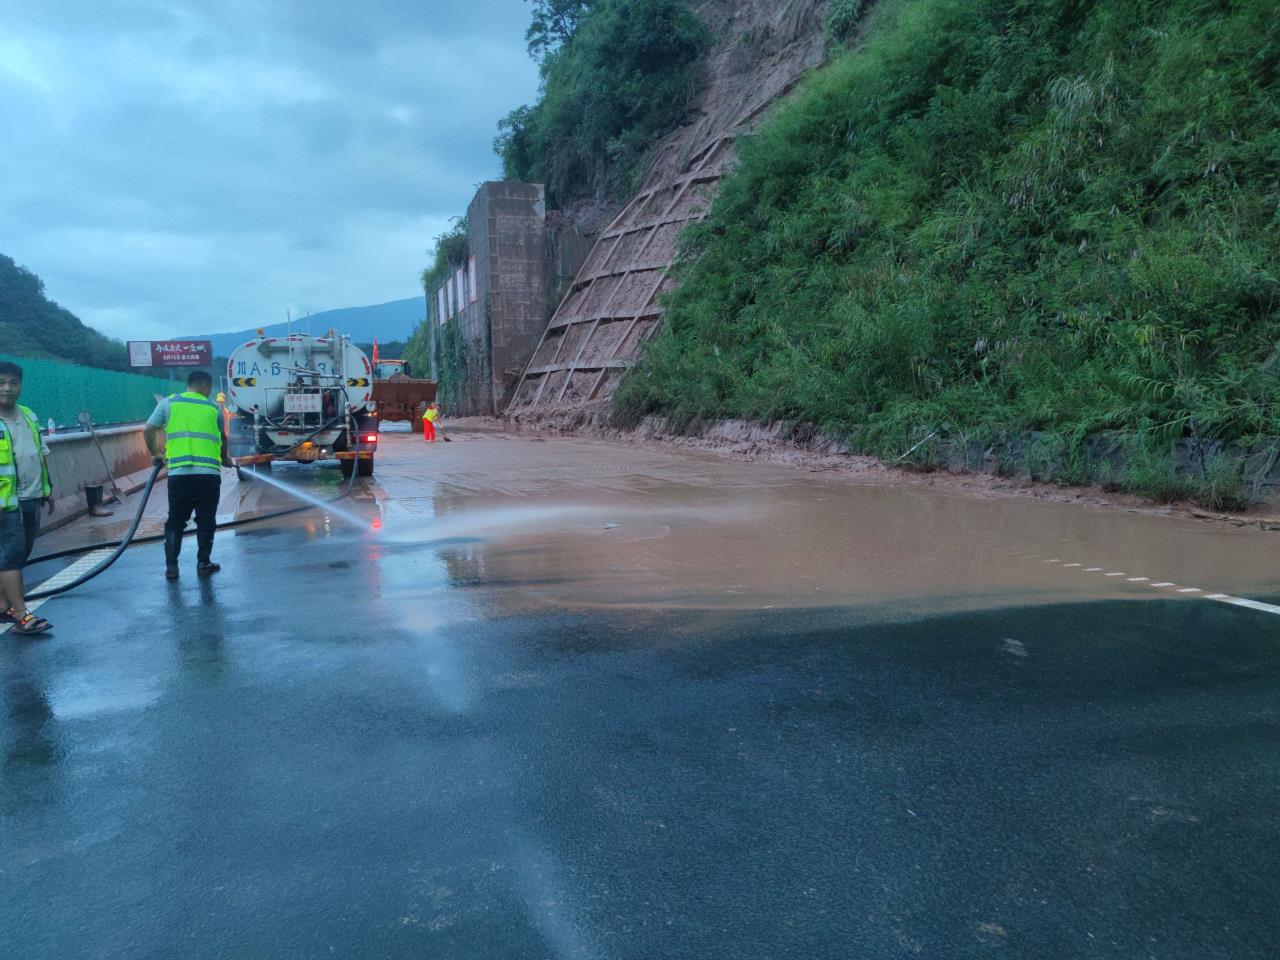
(365, 467)
(346, 466)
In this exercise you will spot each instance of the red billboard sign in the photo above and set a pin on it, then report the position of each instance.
(170, 353)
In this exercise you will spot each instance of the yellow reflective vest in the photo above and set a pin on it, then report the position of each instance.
(193, 435)
(9, 467)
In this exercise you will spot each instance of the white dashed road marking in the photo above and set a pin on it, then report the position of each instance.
(1186, 591)
(1251, 604)
(65, 576)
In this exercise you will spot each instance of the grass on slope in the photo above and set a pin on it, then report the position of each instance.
(998, 217)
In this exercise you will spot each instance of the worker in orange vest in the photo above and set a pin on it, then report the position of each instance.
(429, 423)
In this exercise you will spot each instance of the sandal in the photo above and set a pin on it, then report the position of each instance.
(30, 624)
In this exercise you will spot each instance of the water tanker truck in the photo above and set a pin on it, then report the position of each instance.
(302, 398)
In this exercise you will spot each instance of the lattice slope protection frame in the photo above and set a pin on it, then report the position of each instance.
(611, 310)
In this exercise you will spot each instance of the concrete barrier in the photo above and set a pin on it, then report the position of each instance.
(76, 463)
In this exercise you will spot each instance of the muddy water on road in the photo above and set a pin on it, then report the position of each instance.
(572, 522)
(582, 523)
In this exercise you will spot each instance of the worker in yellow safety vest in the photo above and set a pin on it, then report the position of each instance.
(195, 453)
(429, 419)
(24, 488)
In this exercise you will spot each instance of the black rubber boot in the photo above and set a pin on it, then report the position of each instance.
(204, 548)
(172, 547)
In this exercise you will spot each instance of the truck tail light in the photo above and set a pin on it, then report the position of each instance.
(370, 438)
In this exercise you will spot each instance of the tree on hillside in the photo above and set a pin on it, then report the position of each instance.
(554, 22)
(32, 325)
(617, 76)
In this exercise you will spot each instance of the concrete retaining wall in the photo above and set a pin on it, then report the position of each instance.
(518, 261)
(75, 463)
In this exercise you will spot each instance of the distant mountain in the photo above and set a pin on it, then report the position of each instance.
(32, 325)
(386, 321)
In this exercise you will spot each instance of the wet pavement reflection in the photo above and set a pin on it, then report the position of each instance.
(567, 699)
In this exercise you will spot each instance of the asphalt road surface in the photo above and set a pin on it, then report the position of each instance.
(560, 699)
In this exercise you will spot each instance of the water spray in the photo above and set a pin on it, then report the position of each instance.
(320, 503)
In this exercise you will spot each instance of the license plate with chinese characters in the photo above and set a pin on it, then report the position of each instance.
(302, 403)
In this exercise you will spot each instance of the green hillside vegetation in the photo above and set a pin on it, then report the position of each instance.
(32, 325)
(617, 76)
(990, 218)
(449, 254)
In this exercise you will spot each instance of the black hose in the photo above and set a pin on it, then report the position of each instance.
(130, 540)
(315, 433)
(115, 555)
(158, 537)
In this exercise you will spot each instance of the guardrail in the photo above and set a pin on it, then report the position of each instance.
(77, 462)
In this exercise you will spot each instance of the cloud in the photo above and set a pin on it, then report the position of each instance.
(203, 165)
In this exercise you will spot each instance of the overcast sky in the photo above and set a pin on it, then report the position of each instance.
(191, 166)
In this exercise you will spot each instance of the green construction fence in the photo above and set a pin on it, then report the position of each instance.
(58, 390)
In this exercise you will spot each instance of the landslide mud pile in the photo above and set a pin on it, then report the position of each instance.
(762, 48)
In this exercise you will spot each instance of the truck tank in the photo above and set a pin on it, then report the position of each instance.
(262, 372)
